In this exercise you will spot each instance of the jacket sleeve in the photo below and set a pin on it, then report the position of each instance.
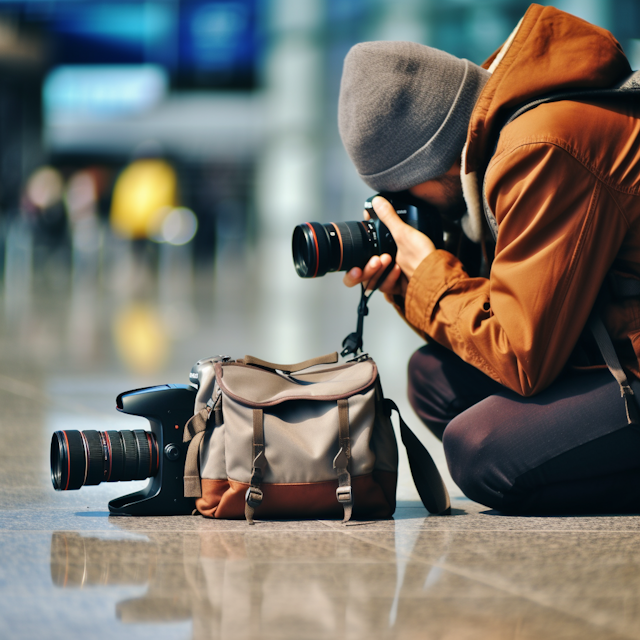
(559, 231)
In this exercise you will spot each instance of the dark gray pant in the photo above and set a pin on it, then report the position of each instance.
(567, 450)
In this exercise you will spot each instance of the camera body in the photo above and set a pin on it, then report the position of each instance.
(416, 213)
(167, 407)
(340, 246)
(80, 458)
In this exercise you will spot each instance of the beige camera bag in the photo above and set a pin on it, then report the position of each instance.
(311, 440)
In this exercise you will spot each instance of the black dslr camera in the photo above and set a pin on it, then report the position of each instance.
(80, 458)
(340, 246)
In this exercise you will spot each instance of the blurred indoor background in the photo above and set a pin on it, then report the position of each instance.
(156, 155)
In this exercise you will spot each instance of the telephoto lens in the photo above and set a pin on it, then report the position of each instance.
(336, 246)
(339, 246)
(80, 458)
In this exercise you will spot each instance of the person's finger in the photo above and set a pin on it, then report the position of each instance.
(375, 268)
(366, 215)
(369, 275)
(387, 215)
(389, 286)
(353, 277)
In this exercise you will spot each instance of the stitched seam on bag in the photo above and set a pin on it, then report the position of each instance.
(296, 484)
(273, 403)
(254, 367)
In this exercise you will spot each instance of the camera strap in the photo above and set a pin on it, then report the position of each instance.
(352, 344)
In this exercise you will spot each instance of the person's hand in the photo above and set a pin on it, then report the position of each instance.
(413, 248)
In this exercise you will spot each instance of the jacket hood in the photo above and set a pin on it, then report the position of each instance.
(551, 51)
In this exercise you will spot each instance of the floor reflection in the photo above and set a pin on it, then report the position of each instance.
(235, 585)
(322, 582)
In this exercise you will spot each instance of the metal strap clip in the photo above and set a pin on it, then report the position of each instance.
(341, 460)
(343, 494)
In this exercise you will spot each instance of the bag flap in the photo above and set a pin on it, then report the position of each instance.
(262, 388)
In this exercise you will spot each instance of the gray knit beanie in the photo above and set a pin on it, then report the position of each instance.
(404, 110)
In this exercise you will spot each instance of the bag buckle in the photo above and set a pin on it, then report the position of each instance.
(253, 497)
(343, 494)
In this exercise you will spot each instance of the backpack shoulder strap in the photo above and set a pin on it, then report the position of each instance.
(628, 87)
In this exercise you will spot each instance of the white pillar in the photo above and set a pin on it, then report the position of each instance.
(289, 171)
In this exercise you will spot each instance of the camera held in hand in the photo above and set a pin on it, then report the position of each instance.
(340, 246)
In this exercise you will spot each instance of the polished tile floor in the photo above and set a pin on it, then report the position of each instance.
(69, 570)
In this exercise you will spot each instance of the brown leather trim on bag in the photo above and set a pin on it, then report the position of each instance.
(374, 498)
(330, 358)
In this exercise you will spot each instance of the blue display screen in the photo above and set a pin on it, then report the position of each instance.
(217, 38)
(209, 43)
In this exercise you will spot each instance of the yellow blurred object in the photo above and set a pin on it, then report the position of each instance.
(140, 337)
(144, 189)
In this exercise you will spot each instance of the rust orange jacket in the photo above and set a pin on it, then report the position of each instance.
(564, 186)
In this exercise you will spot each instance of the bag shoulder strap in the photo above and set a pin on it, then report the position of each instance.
(330, 358)
(427, 478)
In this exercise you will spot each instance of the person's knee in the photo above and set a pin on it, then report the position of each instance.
(474, 455)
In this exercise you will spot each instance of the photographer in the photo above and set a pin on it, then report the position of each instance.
(531, 419)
